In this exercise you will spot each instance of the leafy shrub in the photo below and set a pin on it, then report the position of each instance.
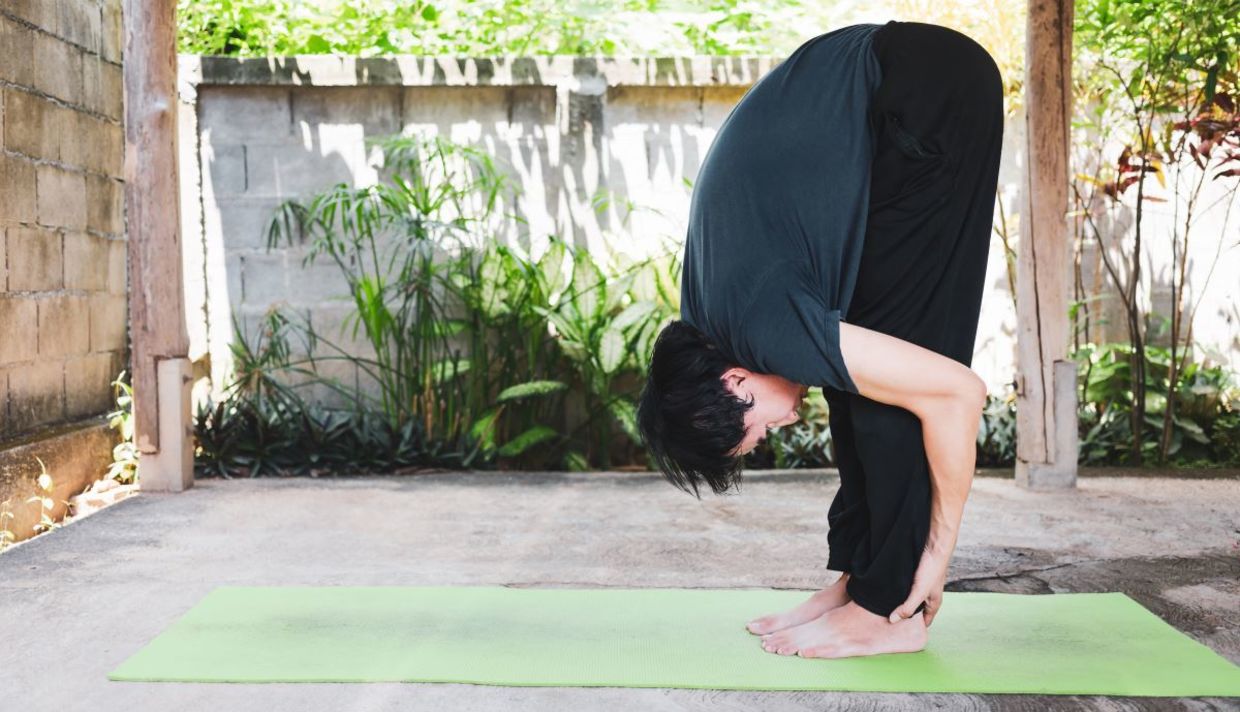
(494, 27)
(475, 350)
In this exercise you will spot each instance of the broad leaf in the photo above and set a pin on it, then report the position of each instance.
(611, 350)
(530, 388)
(625, 413)
(526, 440)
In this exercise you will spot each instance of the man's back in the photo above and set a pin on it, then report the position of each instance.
(778, 212)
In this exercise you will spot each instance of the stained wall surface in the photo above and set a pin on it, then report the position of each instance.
(63, 277)
(62, 236)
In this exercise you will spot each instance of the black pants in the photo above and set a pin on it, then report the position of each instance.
(938, 119)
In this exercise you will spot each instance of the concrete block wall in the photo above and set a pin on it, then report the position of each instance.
(257, 132)
(63, 321)
(569, 130)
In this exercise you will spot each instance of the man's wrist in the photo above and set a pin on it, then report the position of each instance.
(945, 519)
(942, 537)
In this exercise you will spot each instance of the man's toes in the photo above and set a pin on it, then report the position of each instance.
(760, 626)
(816, 652)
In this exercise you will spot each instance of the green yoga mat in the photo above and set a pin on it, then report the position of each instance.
(1084, 643)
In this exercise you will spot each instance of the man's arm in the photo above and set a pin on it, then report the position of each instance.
(948, 398)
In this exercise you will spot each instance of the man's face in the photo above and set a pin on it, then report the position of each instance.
(776, 401)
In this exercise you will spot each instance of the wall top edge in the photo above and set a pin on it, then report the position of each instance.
(583, 74)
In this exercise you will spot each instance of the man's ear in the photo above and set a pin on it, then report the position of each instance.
(734, 378)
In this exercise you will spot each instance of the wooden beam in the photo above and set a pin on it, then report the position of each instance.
(1046, 447)
(156, 311)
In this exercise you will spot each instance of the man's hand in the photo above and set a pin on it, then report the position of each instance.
(928, 581)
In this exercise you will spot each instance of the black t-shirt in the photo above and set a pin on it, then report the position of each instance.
(778, 213)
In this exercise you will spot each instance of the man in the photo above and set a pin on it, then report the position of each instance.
(838, 236)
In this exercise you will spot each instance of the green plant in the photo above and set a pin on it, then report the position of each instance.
(1203, 432)
(1161, 74)
(1225, 435)
(423, 278)
(996, 433)
(7, 537)
(125, 455)
(403, 247)
(45, 502)
(807, 443)
(494, 27)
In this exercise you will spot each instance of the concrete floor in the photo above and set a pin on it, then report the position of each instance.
(80, 600)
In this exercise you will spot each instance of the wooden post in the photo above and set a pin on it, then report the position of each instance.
(1046, 434)
(160, 342)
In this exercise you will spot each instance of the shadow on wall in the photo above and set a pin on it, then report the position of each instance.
(608, 168)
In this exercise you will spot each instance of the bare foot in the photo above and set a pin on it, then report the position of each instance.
(832, 596)
(848, 631)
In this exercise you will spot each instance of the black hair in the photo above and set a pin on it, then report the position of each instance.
(689, 421)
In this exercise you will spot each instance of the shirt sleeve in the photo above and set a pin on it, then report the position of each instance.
(787, 330)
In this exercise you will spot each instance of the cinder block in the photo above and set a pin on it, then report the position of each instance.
(79, 22)
(36, 393)
(223, 168)
(41, 13)
(112, 79)
(264, 278)
(4, 401)
(241, 223)
(232, 281)
(67, 124)
(23, 133)
(16, 52)
(253, 322)
(109, 323)
(291, 170)
(88, 384)
(118, 263)
(86, 261)
(19, 323)
(105, 205)
(17, 200)
(531, 111)
(64, 325)
(346, 145)
(112, 155)
(102, 89)
(92, 85)
(58, 68)
(241, 114)
(334, 323)
(111, 39)
(94, 144)
(320, 282)
(442, 108)
(370, 111)
(62, 198)
(33, 125)
(35, 259)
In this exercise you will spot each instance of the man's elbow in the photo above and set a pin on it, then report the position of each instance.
(964, 396)
(973, 391)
